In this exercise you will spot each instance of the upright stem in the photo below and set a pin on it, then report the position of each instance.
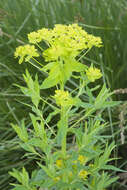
(62, 70)
(64, 119)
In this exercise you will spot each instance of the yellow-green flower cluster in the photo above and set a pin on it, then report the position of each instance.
(83, 174)
(59, 163)
(91, 165)
(26, 52)
(56, 179)
(62, 98)
(42, 34)
(93, 74)
(64, 41)
(82, 159)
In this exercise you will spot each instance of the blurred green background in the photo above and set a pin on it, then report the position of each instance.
(104, 18)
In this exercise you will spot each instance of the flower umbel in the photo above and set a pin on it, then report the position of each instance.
(62, 97)
(64, 41)
(56, 179)
(26, 52)
(82, 159)
(93, 74)
(42, 34)
(59, 163)
(83, 174)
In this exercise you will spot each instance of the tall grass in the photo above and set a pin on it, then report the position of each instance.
(107, 19)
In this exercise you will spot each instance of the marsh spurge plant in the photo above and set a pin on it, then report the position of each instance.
(66, 142)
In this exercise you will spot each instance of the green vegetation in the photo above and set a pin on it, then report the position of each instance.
(81, 163)
(107, 19)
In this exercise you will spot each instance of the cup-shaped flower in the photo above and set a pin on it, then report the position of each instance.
(83, 174)
(63, 98)
(26, 52)
(82, 159)
(42, 34)
(93, 73)
(59, 163)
